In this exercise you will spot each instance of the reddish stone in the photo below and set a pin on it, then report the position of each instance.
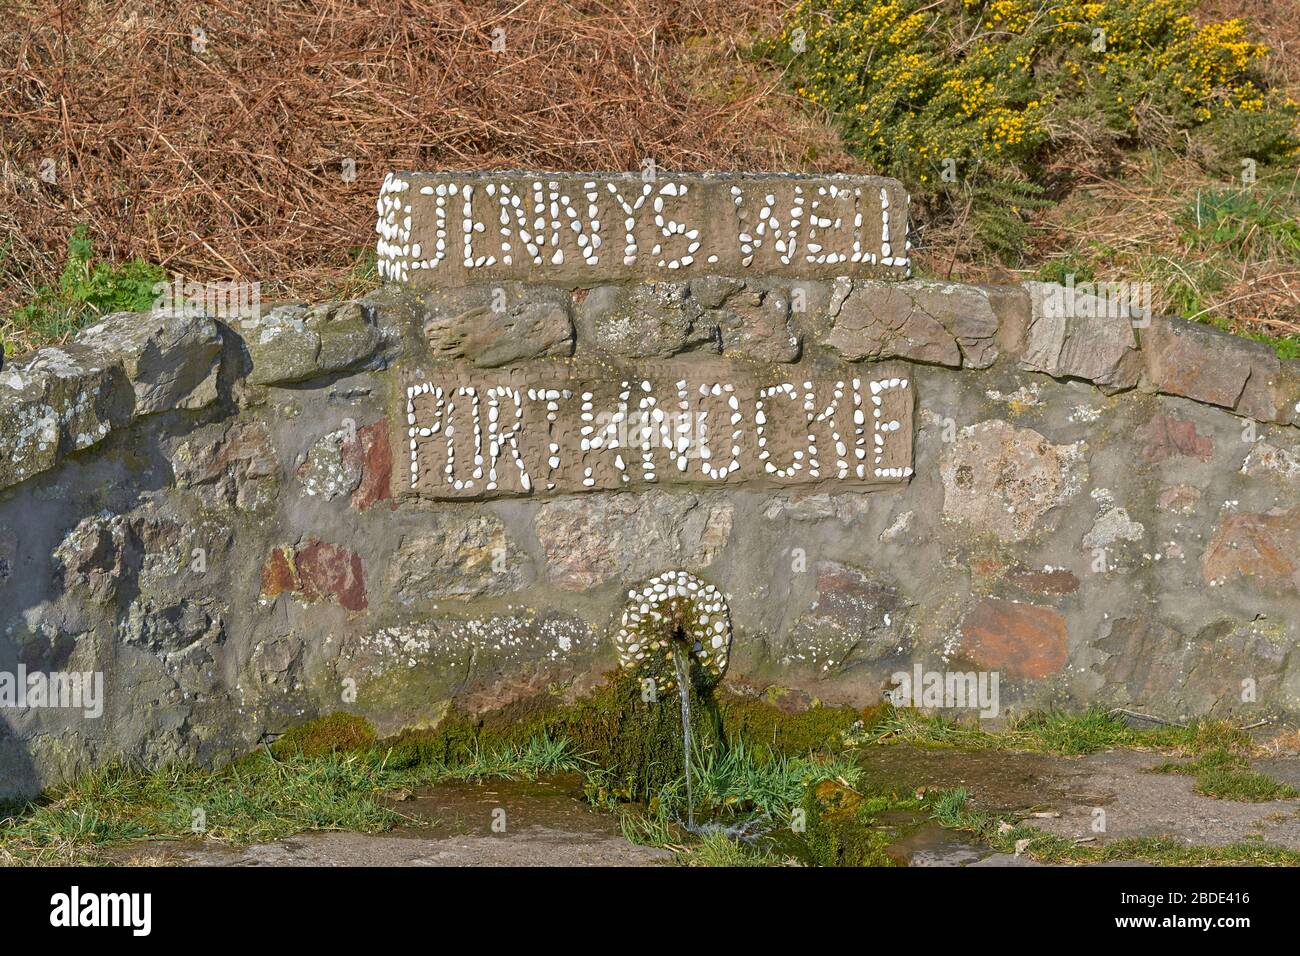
(245, 449)
(330, 571)
(316, 571)
(850, 599)
(278, 574)
(1164, 437)
(1025, 640)
(376, 466)
(1190, 359)
(1260, 545)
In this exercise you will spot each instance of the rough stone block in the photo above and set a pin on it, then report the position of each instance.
(1080, 337)
(56, 402)
(1003, 479)
(1264, 547)
(1024, 640)
(296, 342)
(876, 320)
(646, 320)
(456, 556)
(857, 618)
(316, 571)
(756, 325)
(232, 467)
(491, 327)
(172, 361)
(591, 541)
(1198, 362)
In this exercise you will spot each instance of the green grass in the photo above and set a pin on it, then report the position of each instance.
(538, 757)
(728, 786)
(732, 781)
(717, 849)
(1214, 252)
(1220, 749)
(1227, 775)
(1056, 732)
(87, 289)
(332, 774)
(1243, 221)
(363, 277)
(741, 788)
(259, 798)
(262, 797)
(953, 810)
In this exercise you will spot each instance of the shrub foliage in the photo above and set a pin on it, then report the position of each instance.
(973, 102)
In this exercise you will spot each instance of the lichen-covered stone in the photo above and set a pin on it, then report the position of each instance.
(1088, 342)
(456, 556)
(1150, 663)
(332, 467)
(484, 662)
(61, 400)
(590, 541)
(294, 343)
(712, 291)
(1004, 479)
(845, 508)
(172, 361)
(91, 558)
(1265, 460)
(647, 320)
(172, 628)
(1178, 499)
(57, 402)
(1112, 528)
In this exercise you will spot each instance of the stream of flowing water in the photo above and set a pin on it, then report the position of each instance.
(681, 661)
(744, 829)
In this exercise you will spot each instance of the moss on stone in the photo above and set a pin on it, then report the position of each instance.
(840, 828)
(637, 744)
(453, 741)
(339, 732)
(770, 731)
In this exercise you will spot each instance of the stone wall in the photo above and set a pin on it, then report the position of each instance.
(241, 524)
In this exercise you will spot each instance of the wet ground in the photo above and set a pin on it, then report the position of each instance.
(494, 823)
(1098, 798)
(548, 823)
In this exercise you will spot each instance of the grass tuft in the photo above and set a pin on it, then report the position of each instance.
(86, 290)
